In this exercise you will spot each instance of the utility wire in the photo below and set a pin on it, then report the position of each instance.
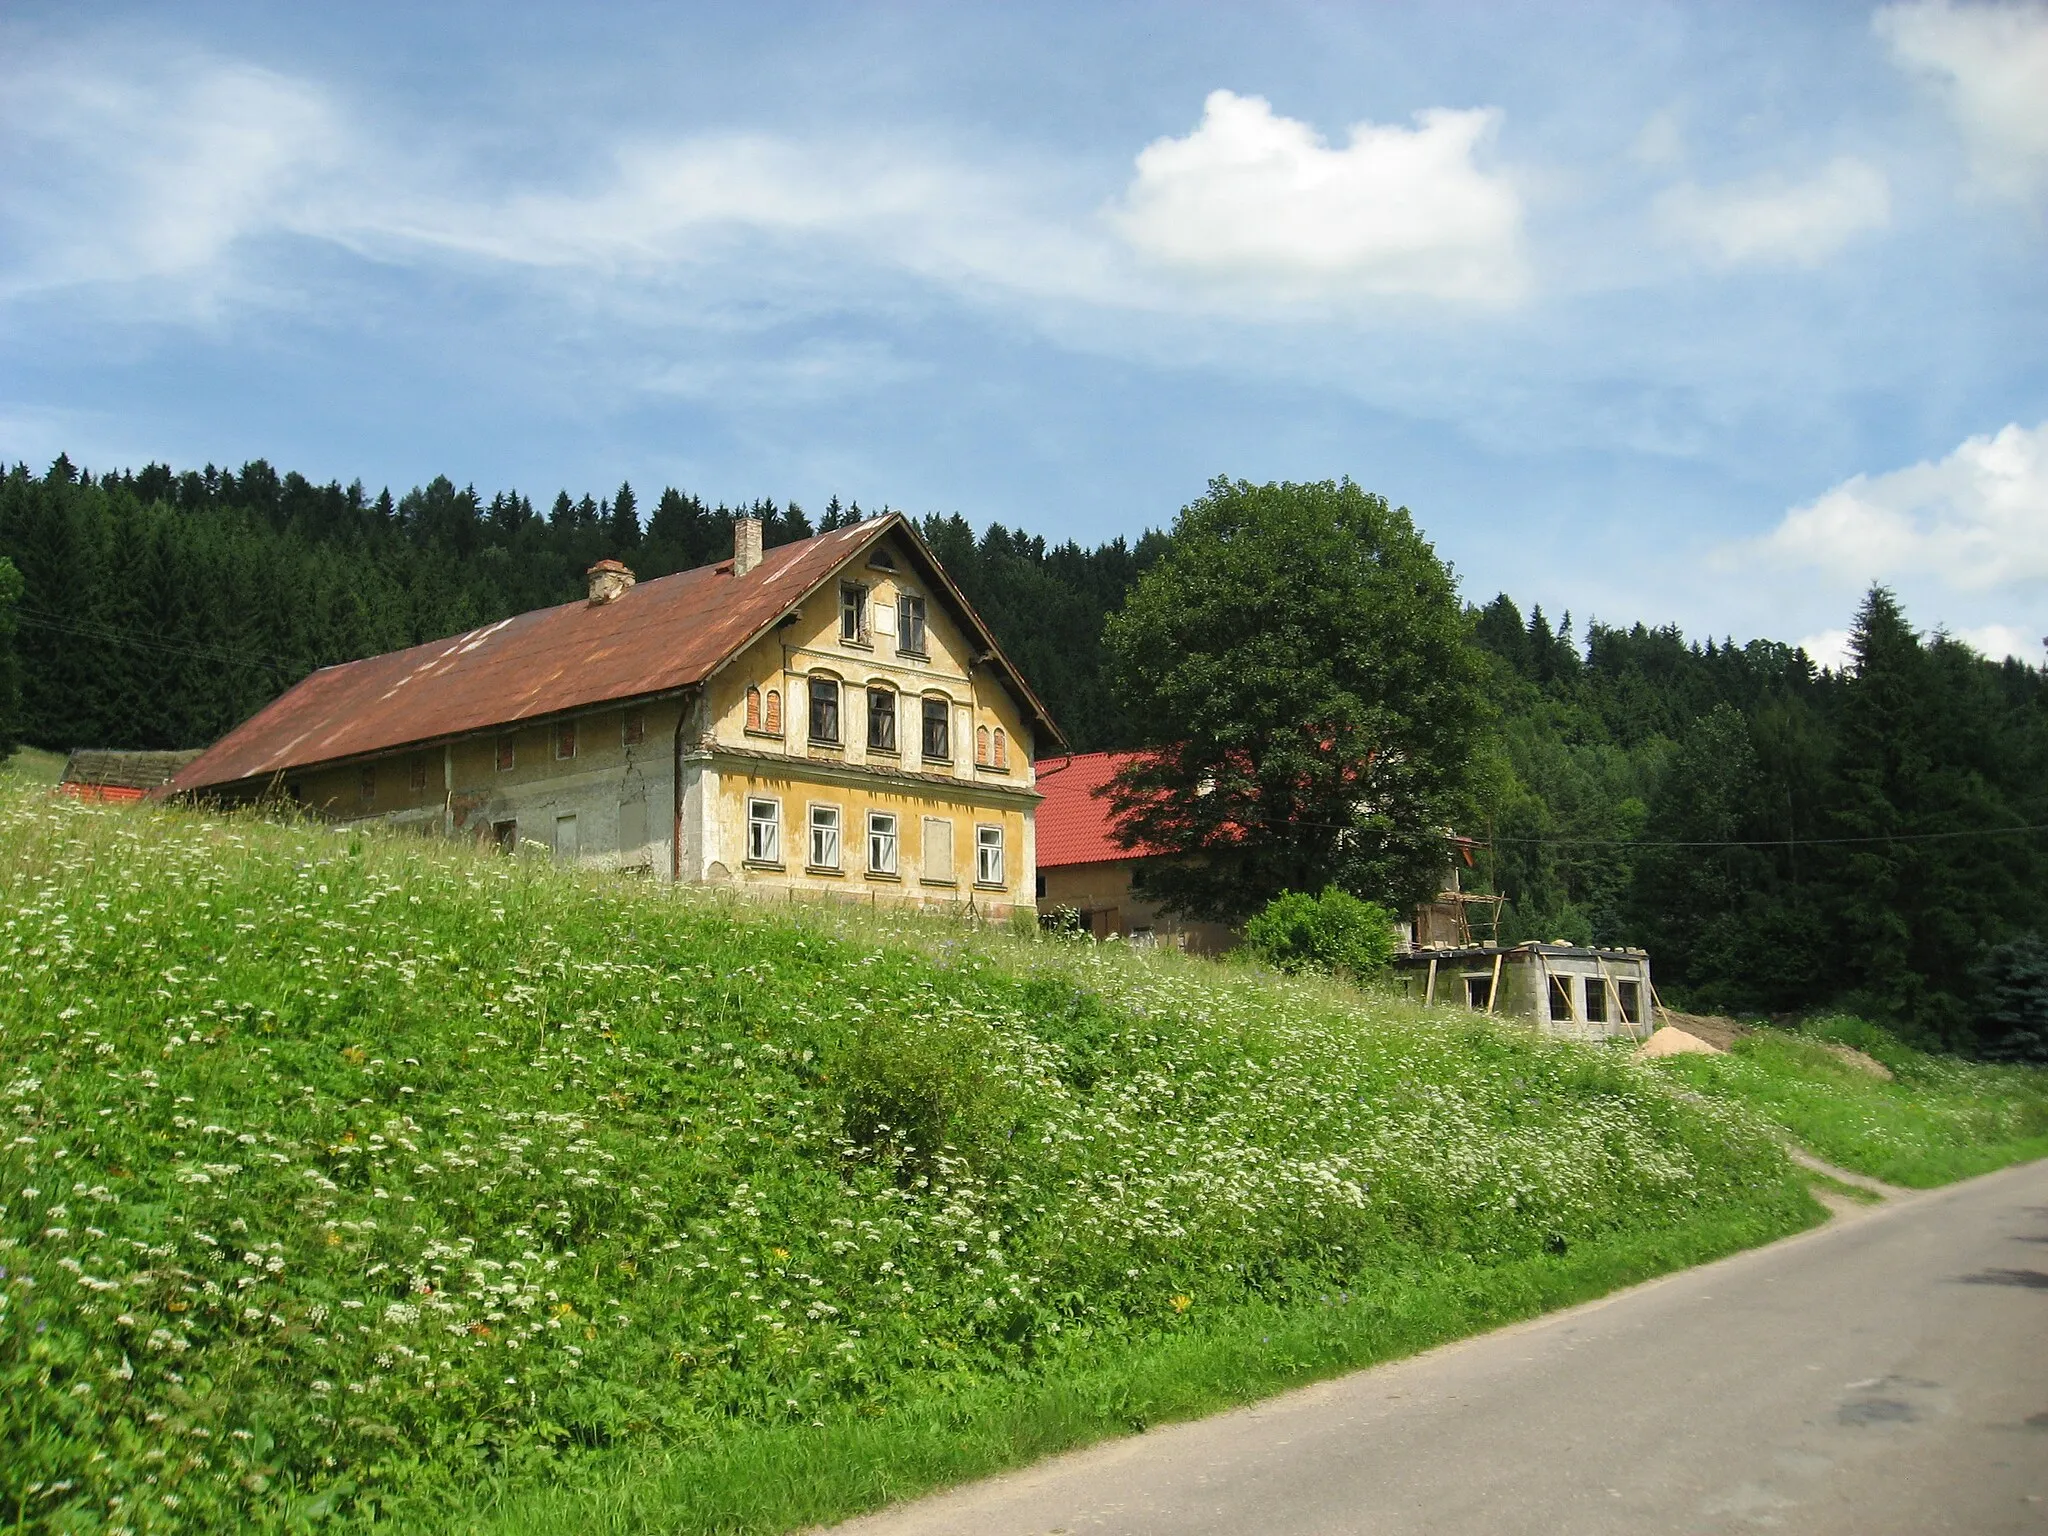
(86, 630)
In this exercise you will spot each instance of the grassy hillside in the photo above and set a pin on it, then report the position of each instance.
(1938, 1119)
(361, 1175)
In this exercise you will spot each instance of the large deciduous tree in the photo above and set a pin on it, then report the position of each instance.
(1296, 662)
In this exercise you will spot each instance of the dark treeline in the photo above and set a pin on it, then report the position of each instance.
(1693, 798)
(160, 609)
(1780, 838)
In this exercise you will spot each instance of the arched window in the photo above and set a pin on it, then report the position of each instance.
(1002, 757)
(981, 747)
(753, 709)
(773, 725)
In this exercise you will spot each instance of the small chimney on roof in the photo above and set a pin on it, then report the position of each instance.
(608, 578)
(746, 544)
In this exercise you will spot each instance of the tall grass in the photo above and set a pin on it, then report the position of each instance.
(354, 1176)
(1937, 1120)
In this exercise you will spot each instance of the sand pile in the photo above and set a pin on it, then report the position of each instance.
(1675, 1042)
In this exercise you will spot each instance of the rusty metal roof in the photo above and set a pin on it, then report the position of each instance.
(657, 636)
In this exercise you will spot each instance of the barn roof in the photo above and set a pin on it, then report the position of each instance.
(1073, 819)
(123, 770)
(658, 636)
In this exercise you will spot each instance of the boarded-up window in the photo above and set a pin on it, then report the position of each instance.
(938, 849)
(633, 728)
(632, 831)
(981, 757)
(753, 709)
(1002, 753)
(567, 846)
(771, 719)
(565, 739)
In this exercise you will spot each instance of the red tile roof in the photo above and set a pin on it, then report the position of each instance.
(660, 635)
(1073, 819)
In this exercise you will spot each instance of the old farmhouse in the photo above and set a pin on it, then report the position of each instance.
(830, 716)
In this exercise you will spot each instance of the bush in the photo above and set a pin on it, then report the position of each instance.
(1334, 933)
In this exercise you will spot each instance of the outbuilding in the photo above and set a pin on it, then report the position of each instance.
(1577, 992)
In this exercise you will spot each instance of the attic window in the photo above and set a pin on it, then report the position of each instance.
(367, 786)
(880, 559)
(565, 740)
(419, 774)
(633, 728)
(853, 613)
(1002, 754)
(910, 625)
(507, 754)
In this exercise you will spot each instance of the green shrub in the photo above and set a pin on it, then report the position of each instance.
(1334, 933)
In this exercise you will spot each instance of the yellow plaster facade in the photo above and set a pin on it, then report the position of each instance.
(864, 748)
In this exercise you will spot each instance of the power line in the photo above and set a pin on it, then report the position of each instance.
(86, 630)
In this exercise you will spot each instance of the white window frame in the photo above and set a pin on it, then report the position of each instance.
(824, 824)
(764, 832)
(989, 855)
(885, 844)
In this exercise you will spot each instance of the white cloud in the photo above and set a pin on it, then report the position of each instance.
(1829, 648)
(1256, 199)
(1998, 641)
(1776, 221)
(156, 172)
(1977, 521)
(1990, 64)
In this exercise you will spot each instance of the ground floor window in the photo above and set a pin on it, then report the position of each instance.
(1479, 992)
(1561, 997)
(824, 837)
(881, 843)
(505, 836)
(1630, 996)
(938, 850)
(567, 845)
(764, 832)
(1596, 1000)
(988, 855)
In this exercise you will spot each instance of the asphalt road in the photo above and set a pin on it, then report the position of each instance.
(1886, 1373)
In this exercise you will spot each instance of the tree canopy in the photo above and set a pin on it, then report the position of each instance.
(1295, 663)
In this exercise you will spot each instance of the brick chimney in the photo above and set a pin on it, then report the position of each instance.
(746, 544)
(607, 580)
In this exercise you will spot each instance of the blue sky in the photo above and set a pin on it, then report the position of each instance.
(1708, 314)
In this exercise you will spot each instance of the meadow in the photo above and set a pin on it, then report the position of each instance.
(355, 1179)
(1938, 1119)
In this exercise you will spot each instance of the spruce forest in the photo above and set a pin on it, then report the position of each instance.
(1782, 838)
